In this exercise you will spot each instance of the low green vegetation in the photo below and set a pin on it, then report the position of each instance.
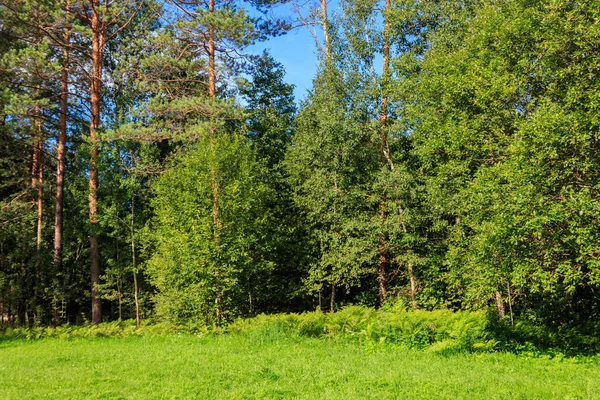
(441, 331)
(270, 366)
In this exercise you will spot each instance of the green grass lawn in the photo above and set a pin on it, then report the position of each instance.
(240, 367)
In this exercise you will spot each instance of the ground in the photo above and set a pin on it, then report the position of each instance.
(246, 367)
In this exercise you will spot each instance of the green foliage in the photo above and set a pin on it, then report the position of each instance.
(442, 332)
(462, 175)
(330, 164)
(507, 139)
(538, 339)
(271, 109)
(209, 249)
(115, 329)
(461, 331)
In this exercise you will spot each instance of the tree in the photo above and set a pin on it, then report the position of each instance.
(32, 66)
(330, 163)
(197, 276)
(210, 34)
(61, 155)
(105, 20)
(507, 137)
(271, 111)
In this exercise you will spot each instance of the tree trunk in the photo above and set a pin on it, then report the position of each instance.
(136, 292)
(332, 303)
(413, 287)
(382, 262)
(500, 305)
(21, 311)
(135, 284)
(40, 223)
(98, 37)
(60, 170)
(512, 320)
(37, 182)
(212, 72)
(120, 297)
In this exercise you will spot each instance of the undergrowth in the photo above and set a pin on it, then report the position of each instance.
(107, 329)
(439, 331)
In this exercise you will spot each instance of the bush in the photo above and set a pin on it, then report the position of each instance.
(441, 331)
(108, 329)
(534, 338)
(461, 331)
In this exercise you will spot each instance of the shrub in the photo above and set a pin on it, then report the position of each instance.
(466, 331)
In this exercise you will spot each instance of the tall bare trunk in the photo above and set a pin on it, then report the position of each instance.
(212, 73)
(37, 183)
(135, 283)
(37, 176)
(500, 305)
(413, 287)
(120, 297)
(382, 262)
(332, 302)
(512, 320)
(98, 37)
(40, 223)
(60, 168)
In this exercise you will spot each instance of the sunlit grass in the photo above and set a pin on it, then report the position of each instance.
(246, 367)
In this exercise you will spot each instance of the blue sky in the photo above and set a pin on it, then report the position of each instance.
(296, 51)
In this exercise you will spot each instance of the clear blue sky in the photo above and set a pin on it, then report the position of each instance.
(296, 51)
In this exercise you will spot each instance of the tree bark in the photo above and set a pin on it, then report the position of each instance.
(332, 302)
(37, 183)
(382, 263)
(37, 176)
(413, 287)
(60, 168)
(98, 37)
(120, 297)
(135, 283)
(212, 72)
(512, 320)
(40, 223)
(500, 305)
(39, 186)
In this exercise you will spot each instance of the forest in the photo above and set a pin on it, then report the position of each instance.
(153, 167)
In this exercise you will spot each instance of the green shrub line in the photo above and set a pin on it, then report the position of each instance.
(440, 331)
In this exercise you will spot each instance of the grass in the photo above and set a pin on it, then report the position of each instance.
(239, 366)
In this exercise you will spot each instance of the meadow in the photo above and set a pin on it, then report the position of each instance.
(277, 365)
